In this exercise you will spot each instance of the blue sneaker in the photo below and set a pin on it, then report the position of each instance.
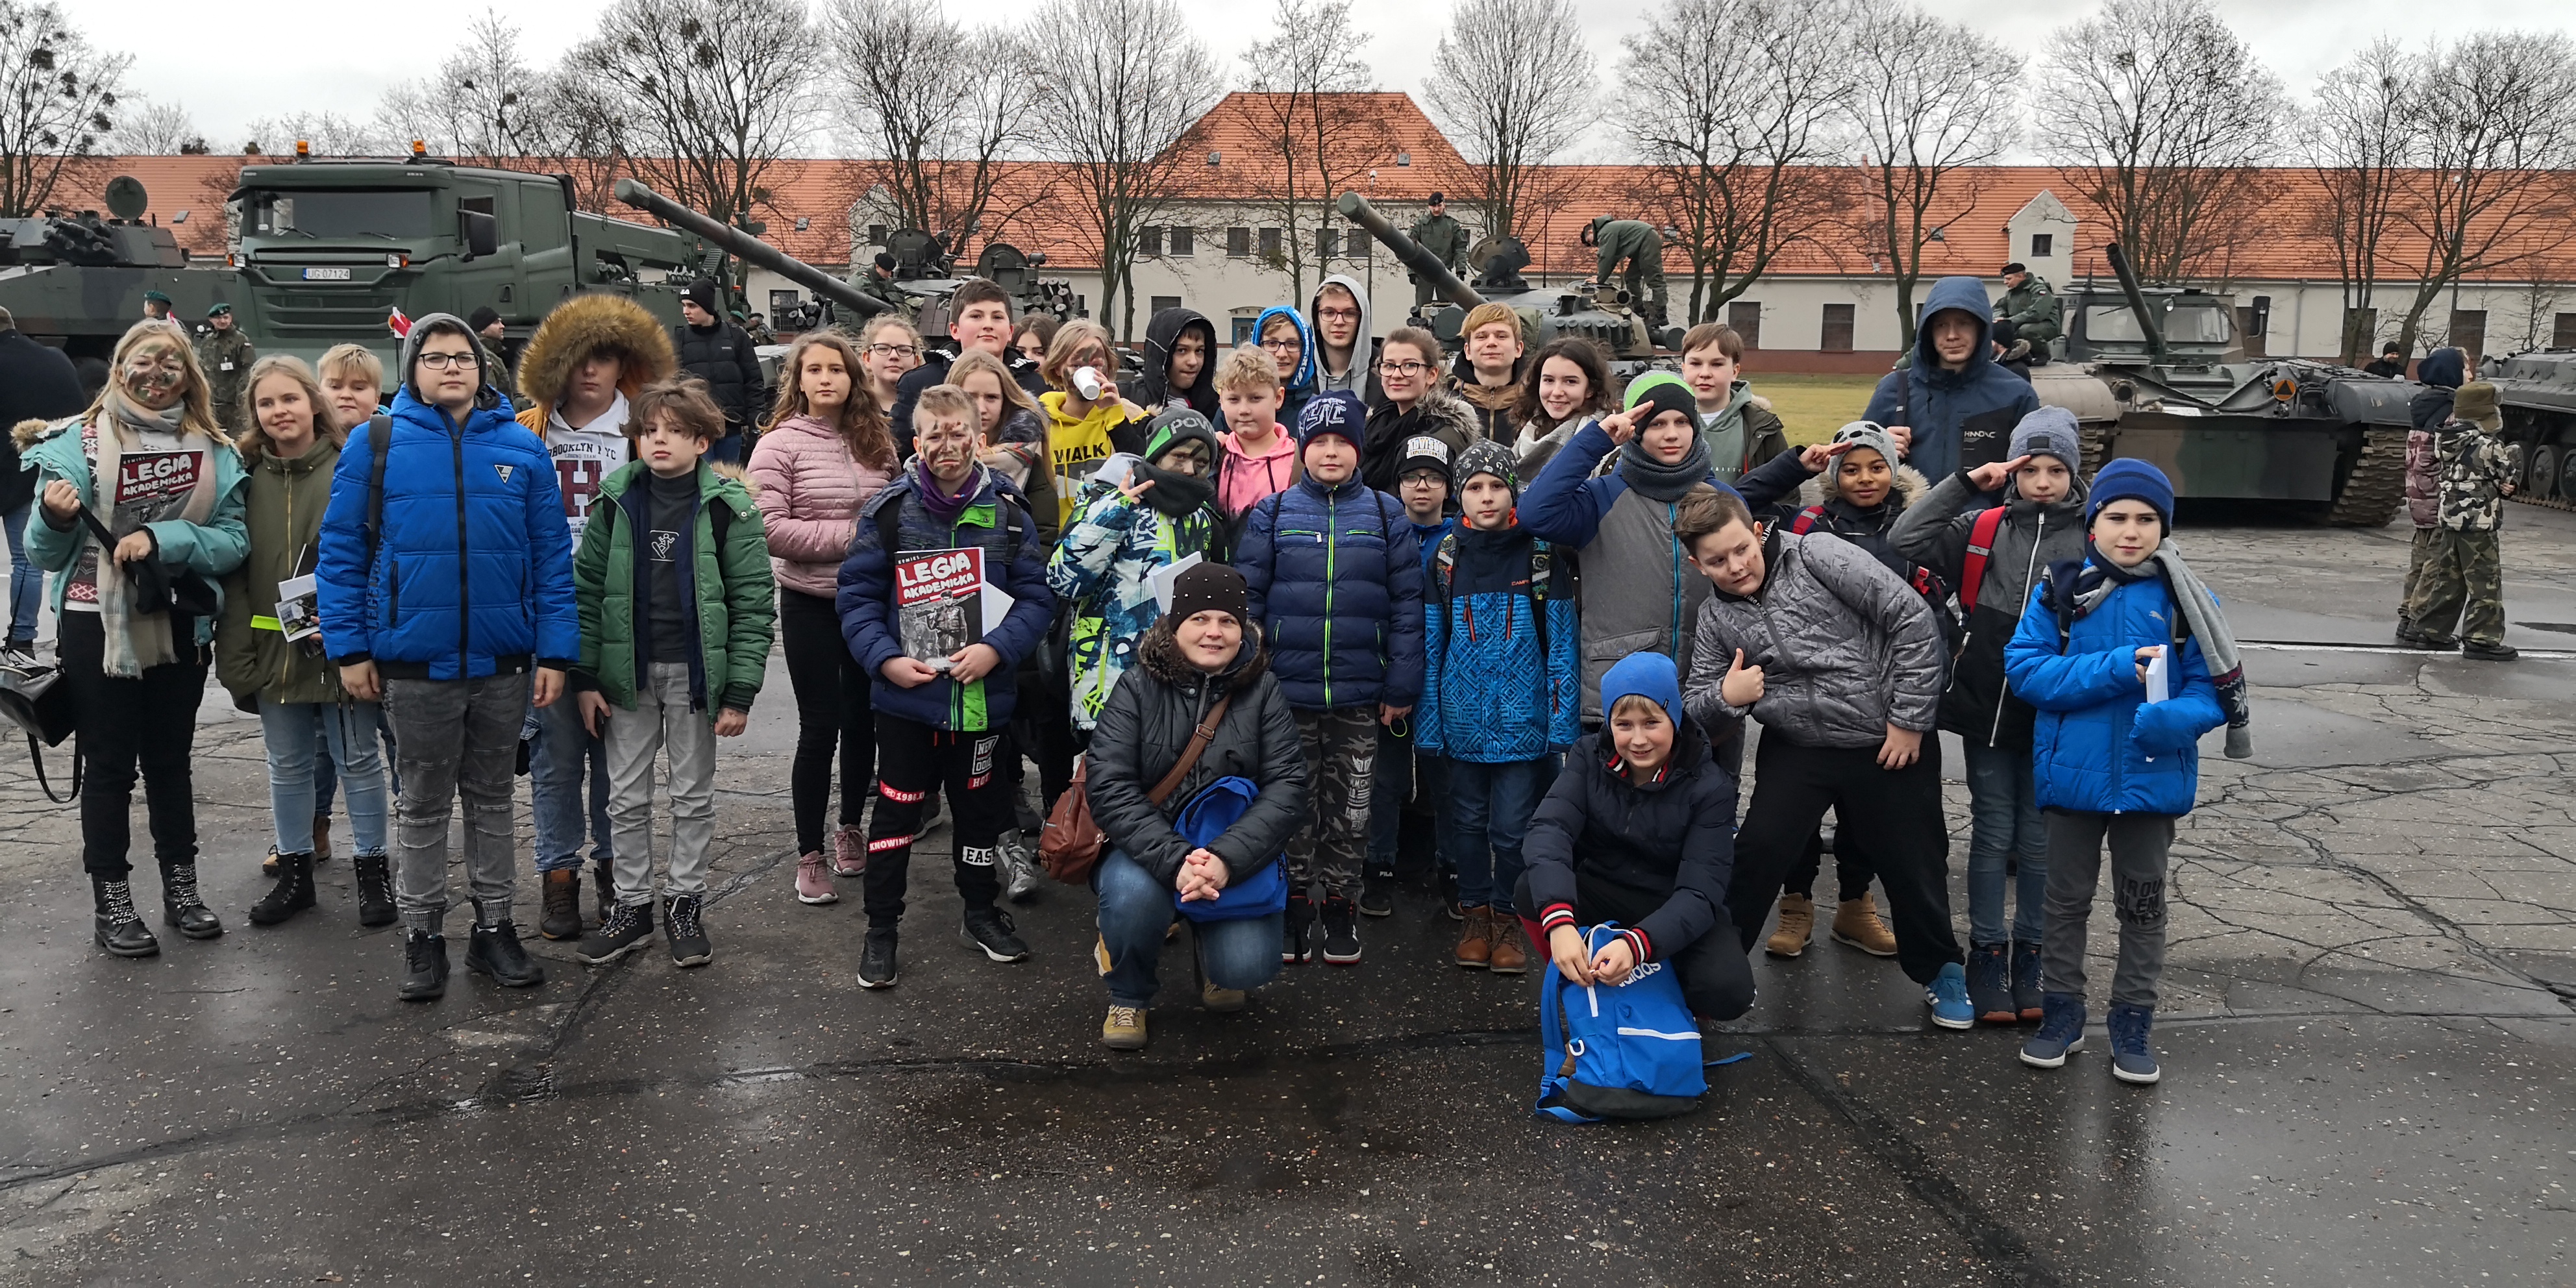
(2061, 1032)
(1948, 997)
(2026, 989)
(1990, 984)
(2130, 1059)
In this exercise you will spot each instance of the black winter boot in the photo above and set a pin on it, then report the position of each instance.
(375, 890)
(424, 966)
(495, 951)
(292, 894)
(120, 929)
(183, 907)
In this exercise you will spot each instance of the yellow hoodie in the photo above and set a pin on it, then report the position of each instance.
(1079, 445)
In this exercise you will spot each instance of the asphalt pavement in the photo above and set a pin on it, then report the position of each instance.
(2366, 1036)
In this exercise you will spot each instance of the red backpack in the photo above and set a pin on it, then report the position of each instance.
(1981, 545)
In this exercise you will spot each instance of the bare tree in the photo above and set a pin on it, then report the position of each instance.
(2161, 115)
(331, 134)
(2360, 137)
(711, 92)
(1306, 113)
(58, 102)
(934, 110)
(1736, 107)
(1126, 84)
(1514, 85)
(148, 129)
(1931, 101)
(568, 119)
(2495, 188)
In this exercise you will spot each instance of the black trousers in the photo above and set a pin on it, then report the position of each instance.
(911, 758)
(1716, 976)
(1851, 865)
(1893, 815)
(833, 717)
(147, 723)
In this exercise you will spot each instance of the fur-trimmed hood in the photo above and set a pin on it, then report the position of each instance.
(27, 433)
(583, 326)
(1906, 488)
(1160, 654)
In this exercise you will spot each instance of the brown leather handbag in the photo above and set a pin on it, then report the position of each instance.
(1072, 843)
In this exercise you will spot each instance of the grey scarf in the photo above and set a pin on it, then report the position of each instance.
(2217, 646)
(1661, 482)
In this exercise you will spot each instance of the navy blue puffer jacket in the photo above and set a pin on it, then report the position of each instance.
(997, 521)
(1336, 580)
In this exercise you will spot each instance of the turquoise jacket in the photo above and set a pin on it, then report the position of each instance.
(209, 549)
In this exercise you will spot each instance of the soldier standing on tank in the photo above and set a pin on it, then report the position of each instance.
(1636, 242)
(226, 355)
(877, 280)
(1441, 236)
(156, 306)
(2034, 310)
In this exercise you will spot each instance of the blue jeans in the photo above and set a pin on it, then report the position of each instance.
(726, 450)
(1135, 909)
(26, 580)
(2003, 821)
(326, 781)
(1488, 809)
(562, 748)
(304, 737)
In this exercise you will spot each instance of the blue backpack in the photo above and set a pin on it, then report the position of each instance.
(1630, 1051)
(1213, 809)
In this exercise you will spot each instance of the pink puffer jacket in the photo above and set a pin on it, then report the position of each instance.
(2423, 478)
(809, 492)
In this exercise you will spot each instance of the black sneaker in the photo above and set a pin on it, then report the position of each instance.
(495, 950)
(1377, 894)
(1449, 895)
(876, 959)
(683, 931)
(1341, 931)
(424, 967)
(2477, 652)
(1293, 949)
(990, 929)
(629, 927)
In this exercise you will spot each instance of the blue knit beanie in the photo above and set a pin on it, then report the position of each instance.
(1647, 675)
(2129, 478)
(1337, 411)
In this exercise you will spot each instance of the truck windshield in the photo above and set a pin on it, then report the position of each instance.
(393, 213)
(2194, 324)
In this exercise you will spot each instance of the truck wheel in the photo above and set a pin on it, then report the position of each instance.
(2566, 478)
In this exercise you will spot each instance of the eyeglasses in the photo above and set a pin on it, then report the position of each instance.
(1281, 344)
(892, 350)
(1339, 315)
(1408, 370)
(449, 361)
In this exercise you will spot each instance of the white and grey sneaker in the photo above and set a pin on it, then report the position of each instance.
(1020, 873)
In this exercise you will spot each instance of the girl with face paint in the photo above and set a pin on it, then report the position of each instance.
(148, 463)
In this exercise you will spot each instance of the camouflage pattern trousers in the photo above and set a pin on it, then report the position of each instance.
(1341, 760)
(2417, 558)
(2461, 592)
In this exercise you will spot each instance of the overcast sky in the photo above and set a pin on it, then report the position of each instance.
(277, 57)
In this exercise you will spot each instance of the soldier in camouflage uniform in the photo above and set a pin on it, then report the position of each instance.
(2032, 306)
(877, 279)
(1447, 242)
(2465, 573)
(1642, 248)
(226, 355)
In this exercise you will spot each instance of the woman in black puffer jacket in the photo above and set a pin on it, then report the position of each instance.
(1201, 652)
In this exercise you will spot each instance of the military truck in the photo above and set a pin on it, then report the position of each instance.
(1597, 313)
(2538, 392)
(2163, 376)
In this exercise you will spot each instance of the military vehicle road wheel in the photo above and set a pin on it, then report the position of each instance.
(2566, 490)
(2096, 446)
(2376, 488)
(2540, 475)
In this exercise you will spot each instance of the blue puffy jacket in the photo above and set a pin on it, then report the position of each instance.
(1961, 419)
(1016, 567)
(2099, 745)
(1496, 688)
(1337, 586)
(472, 575)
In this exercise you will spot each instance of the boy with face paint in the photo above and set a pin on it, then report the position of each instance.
(2031, 508)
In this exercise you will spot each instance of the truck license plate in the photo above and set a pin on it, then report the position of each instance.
(326, 275)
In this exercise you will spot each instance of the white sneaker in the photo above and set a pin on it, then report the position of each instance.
(1019, 868)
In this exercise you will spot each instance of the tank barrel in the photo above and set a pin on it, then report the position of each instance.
(750, 249)
(1423, 263)
(2128, 276)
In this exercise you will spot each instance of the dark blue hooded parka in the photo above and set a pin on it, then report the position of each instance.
(1961, 419)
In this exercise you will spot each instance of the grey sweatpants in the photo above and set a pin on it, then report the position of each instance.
(2139, 843)
(661, 719)
(455, 737)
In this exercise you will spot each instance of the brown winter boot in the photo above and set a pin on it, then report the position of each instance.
(1508, 957)
(321, 837)
(1856, 923)
(1475, 946)
(1797, 926)
(562, 917)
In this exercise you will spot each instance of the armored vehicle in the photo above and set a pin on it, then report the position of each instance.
(2163, 376)
(77, 281)
(1598, 313)
(2538, 391)
(926, 270)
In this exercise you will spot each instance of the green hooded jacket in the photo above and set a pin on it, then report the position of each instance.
(737, 602)
(252, 655)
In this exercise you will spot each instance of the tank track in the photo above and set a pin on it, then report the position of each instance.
(2097, 448)
(2545, 503)
(2376, 489)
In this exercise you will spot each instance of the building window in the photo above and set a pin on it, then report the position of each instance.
(1149, 240)
(2562, 331)
(2469, 332)
(1243, 330)
(1746, 317)
(1184, 241)
(2043, 245)
(1158, 303)
(1326, 245)
(1238, 243)
(1270, 243)
(876, 234)
(1838, 329)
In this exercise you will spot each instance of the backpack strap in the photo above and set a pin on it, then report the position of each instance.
(380, 432)
(1981, 547)
(1807, 520)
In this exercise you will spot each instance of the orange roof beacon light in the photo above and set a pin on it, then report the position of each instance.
(303, 150)
(419, 148)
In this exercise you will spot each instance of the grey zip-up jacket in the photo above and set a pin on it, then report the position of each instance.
(1846, 649)
(1934, 532)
